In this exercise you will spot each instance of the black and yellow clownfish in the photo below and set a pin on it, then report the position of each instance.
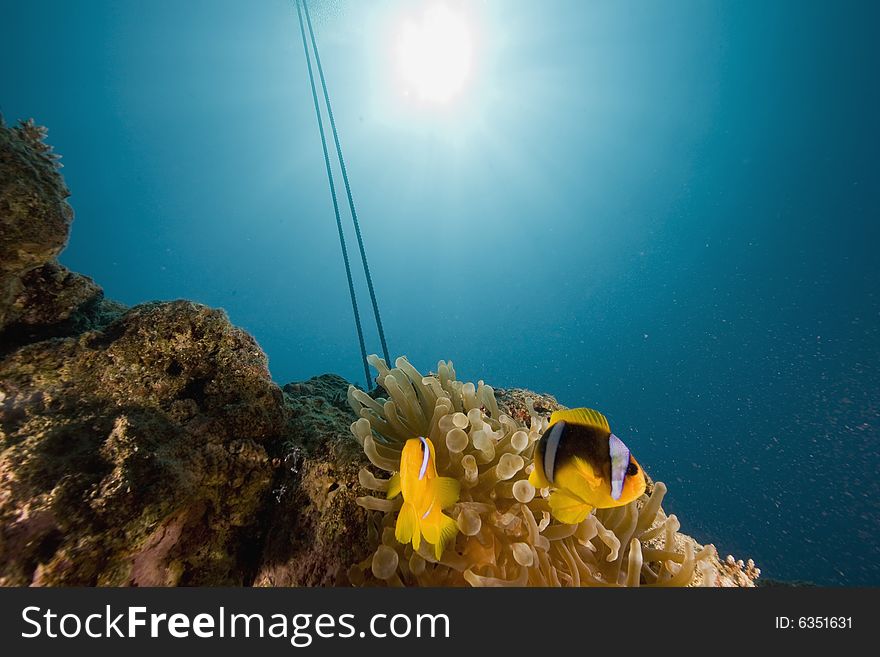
(585, 466)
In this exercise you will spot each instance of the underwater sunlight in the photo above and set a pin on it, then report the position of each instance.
(434, 53)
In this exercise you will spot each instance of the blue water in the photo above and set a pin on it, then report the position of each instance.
(667, 211)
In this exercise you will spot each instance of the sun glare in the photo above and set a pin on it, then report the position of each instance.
(434, 55)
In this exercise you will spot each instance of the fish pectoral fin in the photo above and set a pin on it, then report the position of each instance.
(568, 508)
(393, 486)
(580, 478)
(407, 528)
(446, 492)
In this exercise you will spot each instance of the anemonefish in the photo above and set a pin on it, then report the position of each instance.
(425, 495)
(585, 466)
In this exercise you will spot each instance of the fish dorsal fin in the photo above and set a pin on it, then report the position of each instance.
(584, 416)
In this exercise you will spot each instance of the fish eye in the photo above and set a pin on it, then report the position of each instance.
(632, 469)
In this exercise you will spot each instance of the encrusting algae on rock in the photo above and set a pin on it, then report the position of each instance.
(506, 535)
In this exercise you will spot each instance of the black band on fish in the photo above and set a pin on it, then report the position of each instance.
(424, 467)
(619, 465)
(551, 448)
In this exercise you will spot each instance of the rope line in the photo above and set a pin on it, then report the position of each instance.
(354, 217)
(354, 306)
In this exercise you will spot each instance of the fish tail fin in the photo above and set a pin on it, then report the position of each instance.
(407, 528)
(448, 529)
(568, 508)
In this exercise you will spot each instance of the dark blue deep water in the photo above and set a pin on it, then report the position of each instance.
(664, 210)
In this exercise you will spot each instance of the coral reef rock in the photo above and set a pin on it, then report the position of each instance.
(133, 445)
(136, 454)
(316, 530)
(39, 298)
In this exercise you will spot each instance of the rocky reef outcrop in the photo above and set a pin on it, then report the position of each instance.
(315, 529)
(149, 445)
(34, 214)
(135, 454)
(134, 444)
(39, 298)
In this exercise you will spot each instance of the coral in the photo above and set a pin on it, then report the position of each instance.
(733, 572)
(506, 535)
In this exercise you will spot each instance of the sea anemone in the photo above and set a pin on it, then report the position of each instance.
(506, 534)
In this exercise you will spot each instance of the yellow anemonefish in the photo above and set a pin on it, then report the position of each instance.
(585, 465)
(425, 495)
